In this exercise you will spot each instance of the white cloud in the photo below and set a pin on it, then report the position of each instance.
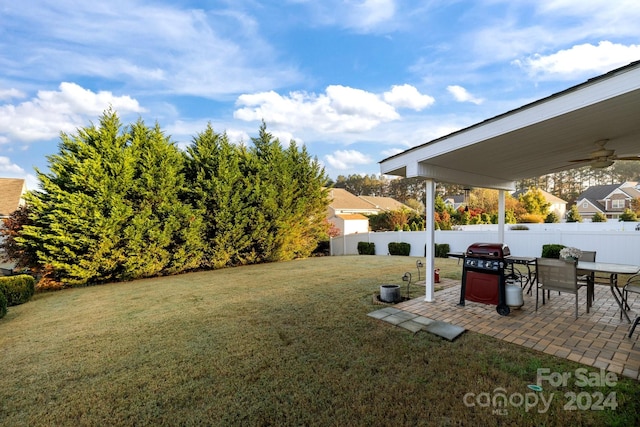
(339, 109)
(11, 170)
(500, 33)
(407, 96)
(359, 15)
(11, 94)
(346, 159)
(581, 59)
(618, 17)
(163, 48)
(8, 169)
(504, 41)
(357, 102)
(462, 95)
(52, 112)
(370, 13)
(392, 152)
(238, 136)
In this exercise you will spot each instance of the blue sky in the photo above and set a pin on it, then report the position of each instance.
(354, 80)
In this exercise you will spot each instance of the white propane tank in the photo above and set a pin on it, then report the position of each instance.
(514, 296)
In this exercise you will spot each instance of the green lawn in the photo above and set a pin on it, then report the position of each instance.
(274, 344)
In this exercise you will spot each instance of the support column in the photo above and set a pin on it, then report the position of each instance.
(430, 209)
(501, 212)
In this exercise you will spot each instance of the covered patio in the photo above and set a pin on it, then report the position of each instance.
(594, 123)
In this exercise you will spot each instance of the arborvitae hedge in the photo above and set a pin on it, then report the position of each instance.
(123, 202)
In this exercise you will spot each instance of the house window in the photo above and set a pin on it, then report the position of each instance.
(617, 204)
(585, 205)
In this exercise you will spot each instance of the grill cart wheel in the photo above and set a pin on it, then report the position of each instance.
(503, 309)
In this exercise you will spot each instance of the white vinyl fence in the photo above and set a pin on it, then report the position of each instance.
(616, 242)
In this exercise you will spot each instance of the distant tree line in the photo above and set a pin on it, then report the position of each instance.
(481, 205)
(123, 202)
(567, 185)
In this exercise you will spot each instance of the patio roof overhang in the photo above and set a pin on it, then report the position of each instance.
(536, 139)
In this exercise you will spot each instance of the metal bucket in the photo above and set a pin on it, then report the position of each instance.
(390, 293)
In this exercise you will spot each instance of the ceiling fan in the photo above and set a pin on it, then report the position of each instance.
(603, 157)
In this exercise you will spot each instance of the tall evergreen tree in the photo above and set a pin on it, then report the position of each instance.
(266, 174)
(292, 199)
(163, 235)
(304, 213)
(110, 207)
(78, 215)
(217, 189)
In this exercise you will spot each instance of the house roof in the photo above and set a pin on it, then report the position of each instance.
(597, 192)
(458, 198)
(384, 203)
(11, 191)
(539, 138)
(631, 188)
(342, 199)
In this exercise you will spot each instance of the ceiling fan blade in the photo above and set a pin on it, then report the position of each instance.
(627, 158)
(581, 160)
(602, 152)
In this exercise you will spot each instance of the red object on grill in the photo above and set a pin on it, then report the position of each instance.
(483, 278)
(488, 250)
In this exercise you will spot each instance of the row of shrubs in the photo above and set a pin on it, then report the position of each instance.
(397, 248)
(441, 250)
(15, 290)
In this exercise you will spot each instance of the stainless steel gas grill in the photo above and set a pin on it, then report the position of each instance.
(483, 275)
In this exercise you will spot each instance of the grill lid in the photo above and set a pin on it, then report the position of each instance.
(488, 250)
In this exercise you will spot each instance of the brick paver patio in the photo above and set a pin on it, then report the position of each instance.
(598, 338)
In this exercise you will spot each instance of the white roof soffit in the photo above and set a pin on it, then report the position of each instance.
(536, 139)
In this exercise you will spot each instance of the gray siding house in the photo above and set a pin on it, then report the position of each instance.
(609, 200)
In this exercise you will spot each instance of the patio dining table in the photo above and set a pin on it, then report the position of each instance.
(613, 270)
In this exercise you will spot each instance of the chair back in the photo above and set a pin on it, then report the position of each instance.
(633, 284)
(557, 275)
(589, 256)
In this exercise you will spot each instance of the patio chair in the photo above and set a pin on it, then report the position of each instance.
(586, 277)
(557, 275)
(632, 286)
(633, 326)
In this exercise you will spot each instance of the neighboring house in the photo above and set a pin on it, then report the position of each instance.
(454, 202)
(350, 223)
(11, 192)
(609, 200)
(556, 204)
(348, 212)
